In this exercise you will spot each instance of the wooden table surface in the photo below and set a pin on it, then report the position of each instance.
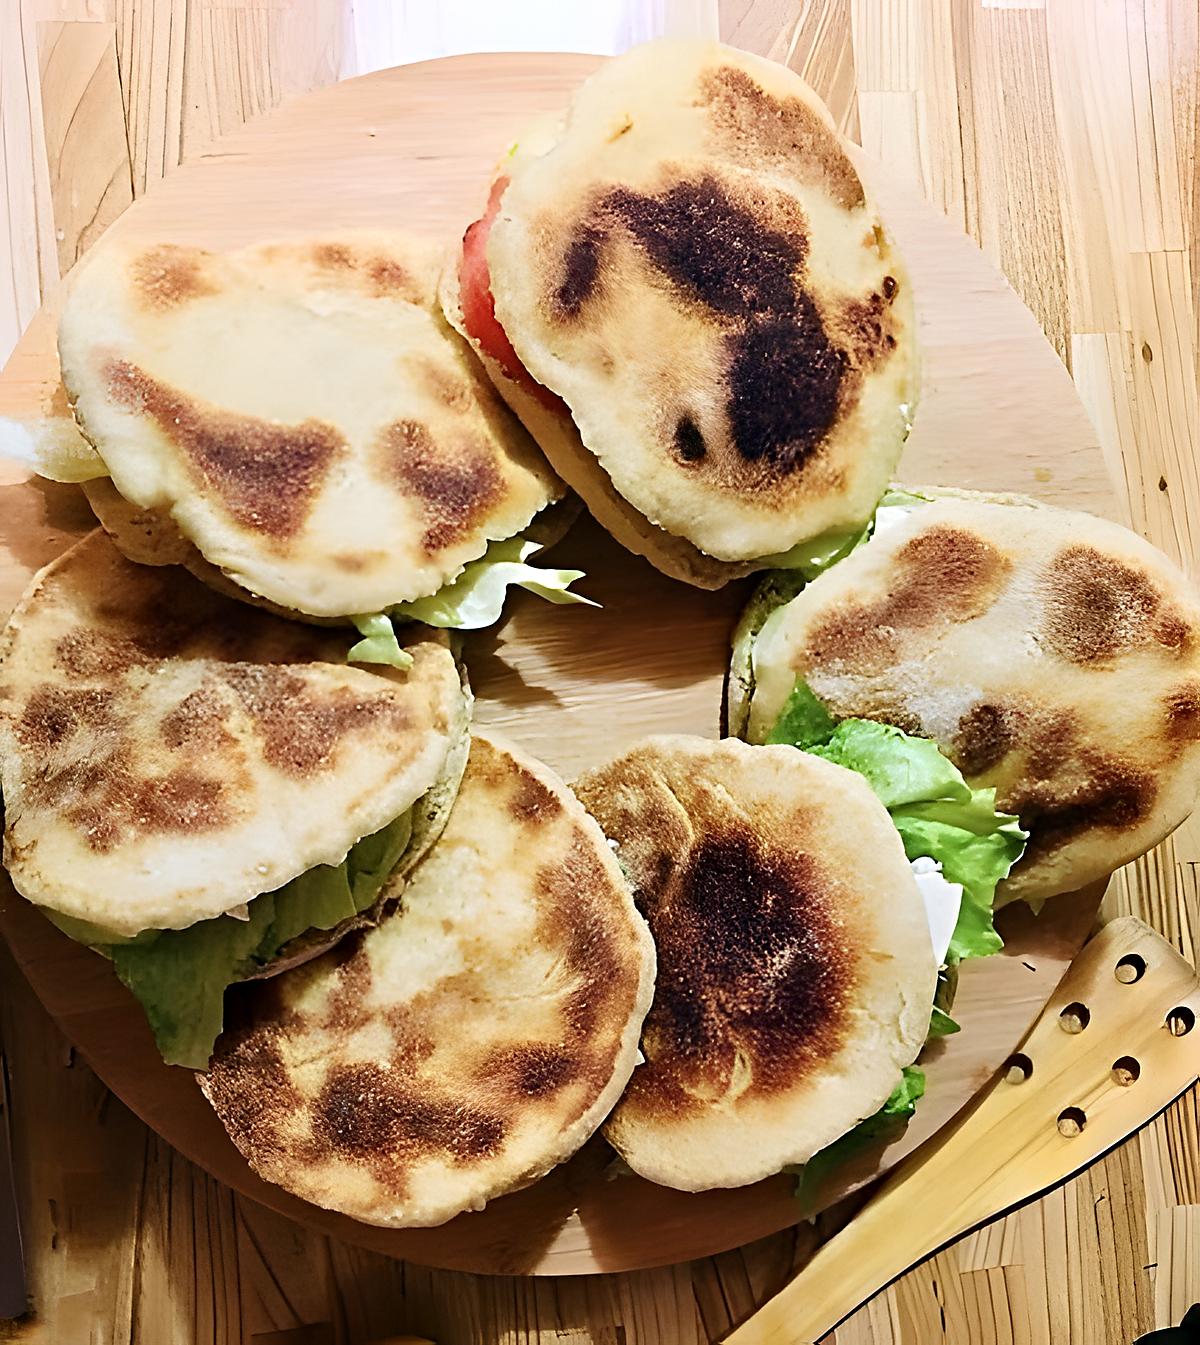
(1061, 135)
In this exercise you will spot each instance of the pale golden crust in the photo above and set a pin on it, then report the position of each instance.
(302, 414)
(471, 1041)
(167, 754)
(795, 967)
(1050, 654)
(695, 269)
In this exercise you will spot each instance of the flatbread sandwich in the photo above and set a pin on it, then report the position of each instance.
(203, 791)
(1051, 657)
(796, 963)
(296, 423)
(473, 1039)
(686, 293)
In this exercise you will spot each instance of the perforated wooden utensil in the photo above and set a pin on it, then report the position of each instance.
(1115, 1044)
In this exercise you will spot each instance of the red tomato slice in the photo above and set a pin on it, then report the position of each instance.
(479, 308)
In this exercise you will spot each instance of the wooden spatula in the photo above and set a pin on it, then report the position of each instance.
(1116, 1043)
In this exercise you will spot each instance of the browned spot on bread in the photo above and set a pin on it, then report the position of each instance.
(333, 256)
(742, 258)
(949, 571)
(366, 1112)
(785, 387)
(166, 276)
(1182, 707)
(716, 250)
(532, 801)
(943, 574)
(99, 653)
(116, 806)
(349, 562)
(302, 730)
(867, 328)
(382, 276)
(753, 973)
(583, 928)
(53, 714)
(251, 1089)
(851, 639)
(198, 723)
(1103, 792)
(99, 794)
(985, 737)
(1097, 607)
(346, 1008)
(581, 271)
(1172, 631)
(454, 479)
(532, 1070)
(689, 440)
(757, 125)
(388, 277)
(445, 384)
(1049, 735)
(265, 474)
(183, 800)
(578, 914)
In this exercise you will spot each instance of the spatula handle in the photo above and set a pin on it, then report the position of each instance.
(1112, 1048)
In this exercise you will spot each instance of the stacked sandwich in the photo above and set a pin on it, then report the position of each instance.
(413, 968)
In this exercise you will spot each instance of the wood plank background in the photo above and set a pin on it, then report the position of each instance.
(1061, 135)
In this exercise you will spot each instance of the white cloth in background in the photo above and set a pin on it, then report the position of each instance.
(394, 32)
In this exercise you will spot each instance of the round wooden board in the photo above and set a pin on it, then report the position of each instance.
(412, 148)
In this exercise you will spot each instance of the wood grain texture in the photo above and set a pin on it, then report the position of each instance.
(185, 72)
(1096, 1260)
(28, 257)
(651, 658)
(84, 126)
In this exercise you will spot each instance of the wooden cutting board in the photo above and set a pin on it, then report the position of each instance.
(412, 148)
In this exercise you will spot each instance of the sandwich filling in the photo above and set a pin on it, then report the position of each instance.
(959, 847)
(479, 306)
(179, 976)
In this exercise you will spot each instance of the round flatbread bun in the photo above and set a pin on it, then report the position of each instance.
(302, 414)
(472, 1040)
(795, 966)
(167, 754)
(1050, 654)
(695, 267)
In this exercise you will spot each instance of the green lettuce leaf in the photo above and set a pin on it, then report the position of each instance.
(476, 598)
(180, 977)
(897, 497)
(95, 936)
(804, 722)
(941, 1024)
(379, 643)
(934, 809)
(887, 1123)
(813, 557)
